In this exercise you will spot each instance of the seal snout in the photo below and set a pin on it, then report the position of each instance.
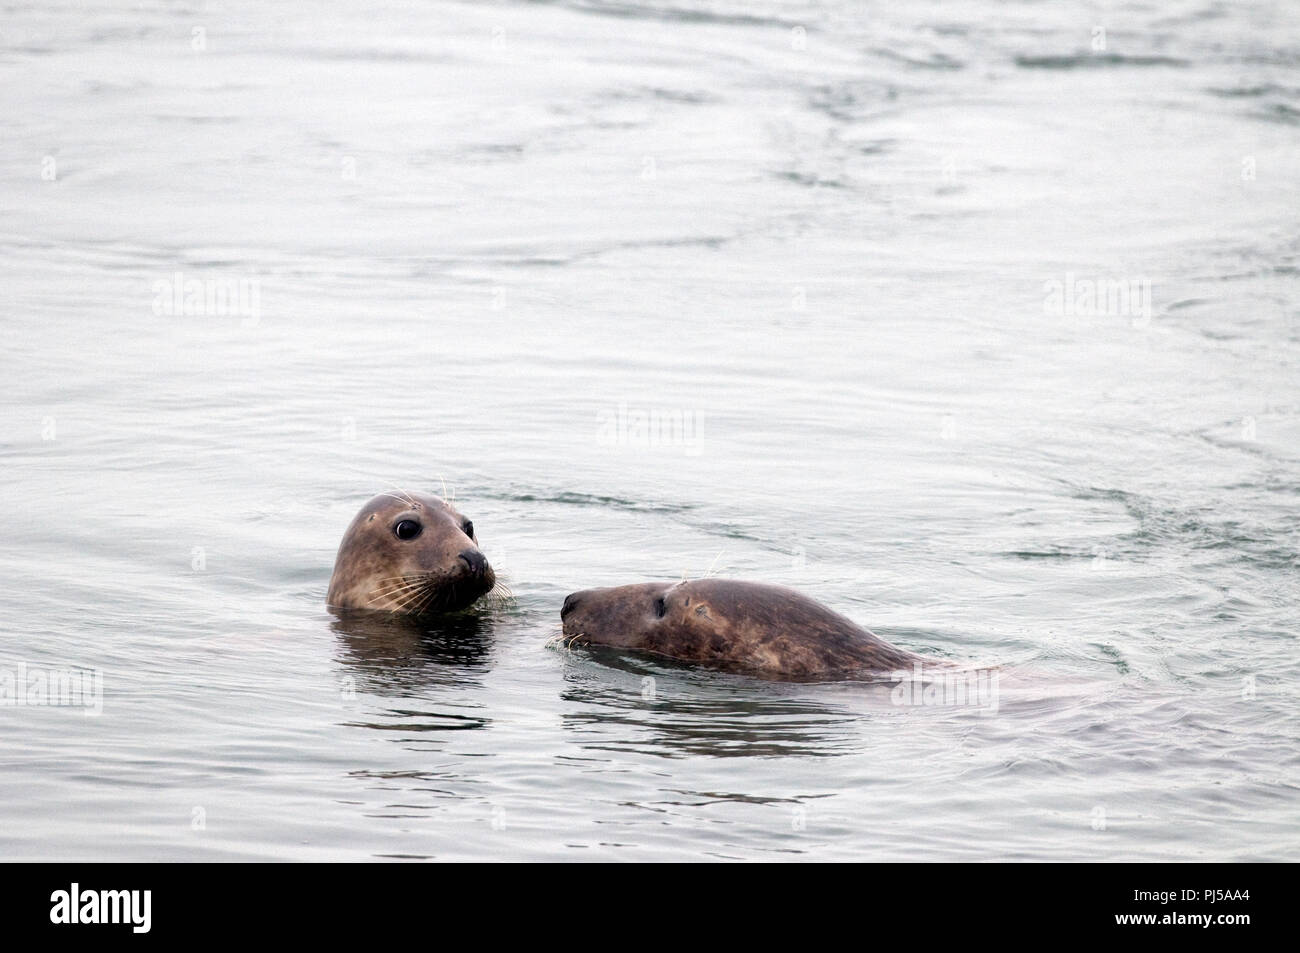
(476, 561)
(570, 603)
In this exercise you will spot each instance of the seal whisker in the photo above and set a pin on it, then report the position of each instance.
(401, 601)
(400, 497)
(418, 600)
(558, 639)
(399, 582)
(409, 603)
(412, 587)
(395, 587)
(709, 572)
(426, 598)
(421, 587)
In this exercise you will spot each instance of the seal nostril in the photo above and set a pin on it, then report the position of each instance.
(475, 561)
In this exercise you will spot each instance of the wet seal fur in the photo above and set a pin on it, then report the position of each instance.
(410, 553)
(752, 628)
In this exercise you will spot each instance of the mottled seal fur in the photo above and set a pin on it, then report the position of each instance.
(752, 628)
(411, 553)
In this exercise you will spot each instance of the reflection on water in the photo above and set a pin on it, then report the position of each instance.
(433, 664)
(396, 654)
(669, 711)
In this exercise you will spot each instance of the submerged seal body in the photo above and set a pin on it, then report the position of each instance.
(411, 553)
(752, 628)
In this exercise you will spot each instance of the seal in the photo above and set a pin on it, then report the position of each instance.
(768, 631)
(410, 553)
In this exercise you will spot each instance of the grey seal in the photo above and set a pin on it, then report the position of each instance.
(410, 553)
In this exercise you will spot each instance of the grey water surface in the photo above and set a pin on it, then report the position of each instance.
(977, 321)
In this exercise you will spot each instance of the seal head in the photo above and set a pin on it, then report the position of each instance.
(410, 553)
(767, 631)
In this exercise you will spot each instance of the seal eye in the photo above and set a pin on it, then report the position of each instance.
(468, 529)
(407, 529)
(661, 608)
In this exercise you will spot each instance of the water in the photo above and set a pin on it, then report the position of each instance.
(477, 244)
